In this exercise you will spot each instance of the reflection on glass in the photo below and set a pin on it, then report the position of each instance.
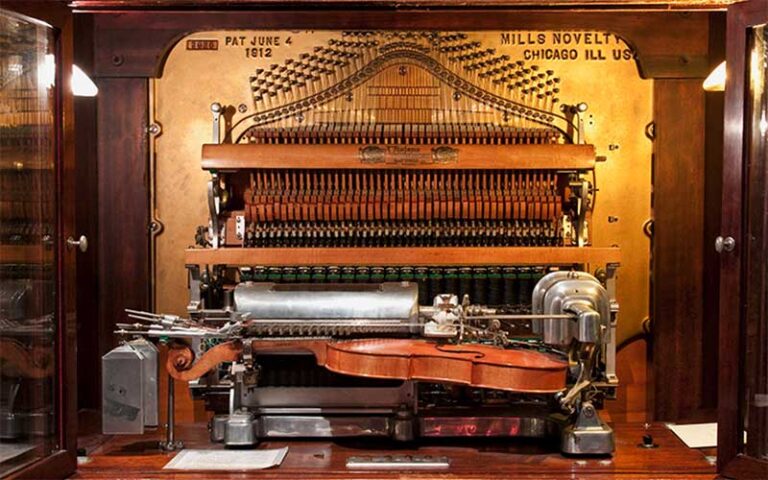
(756, 355)
(27, 221)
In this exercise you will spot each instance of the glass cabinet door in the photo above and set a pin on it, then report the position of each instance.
(28, 324)
(755, 391)
(743, 397)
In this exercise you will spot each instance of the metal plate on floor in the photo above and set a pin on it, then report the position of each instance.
(398, 462)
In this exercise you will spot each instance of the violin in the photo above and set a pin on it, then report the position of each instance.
(476, 365)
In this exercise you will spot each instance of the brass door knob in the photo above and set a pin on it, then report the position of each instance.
(81, 244)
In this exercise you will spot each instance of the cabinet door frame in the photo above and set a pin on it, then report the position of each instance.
(733, 286)
(63, 461)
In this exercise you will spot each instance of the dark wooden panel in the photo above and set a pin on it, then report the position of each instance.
(678, 242)
(88, 393)
(123, 205)
(136, 43)
(714, 102)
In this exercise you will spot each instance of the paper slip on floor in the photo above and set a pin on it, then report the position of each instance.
(227, 459)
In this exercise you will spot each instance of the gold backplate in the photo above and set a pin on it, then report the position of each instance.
(596, 68)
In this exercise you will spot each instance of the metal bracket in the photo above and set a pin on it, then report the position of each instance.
(240, 227)
(216, 109)
(214, 206)
(588, 435)
(610, 342)
(195, 299)
(650, 131)
(581, 107)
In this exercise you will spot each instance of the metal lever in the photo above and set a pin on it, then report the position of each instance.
(81, 244)
(216, 110)
(726, 244)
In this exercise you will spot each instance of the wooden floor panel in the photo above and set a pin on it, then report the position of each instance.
(136, 456)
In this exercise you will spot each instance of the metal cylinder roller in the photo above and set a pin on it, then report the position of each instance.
(384, 301)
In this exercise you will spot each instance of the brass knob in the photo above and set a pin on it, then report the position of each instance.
(81, 244)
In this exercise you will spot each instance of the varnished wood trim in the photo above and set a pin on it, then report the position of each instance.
(521, 157)
(404, 256)
(136, 44)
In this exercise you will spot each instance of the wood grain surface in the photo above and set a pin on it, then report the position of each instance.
(521, 157)
(137, 457)
(403, 256)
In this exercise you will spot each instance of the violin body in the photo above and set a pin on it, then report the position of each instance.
(476, 365)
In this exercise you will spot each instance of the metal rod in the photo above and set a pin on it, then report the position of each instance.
(170, 433)
(143, 314)
(543, 316)
(170, 443)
